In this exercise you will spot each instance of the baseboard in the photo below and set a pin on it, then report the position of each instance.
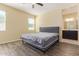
(70, 41)
(10, 41)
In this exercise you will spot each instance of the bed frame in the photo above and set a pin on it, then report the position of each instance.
(50, 30)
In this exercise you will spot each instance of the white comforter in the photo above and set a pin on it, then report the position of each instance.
(39, 37)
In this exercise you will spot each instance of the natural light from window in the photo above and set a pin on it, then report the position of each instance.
(2, 21)
(31, 23)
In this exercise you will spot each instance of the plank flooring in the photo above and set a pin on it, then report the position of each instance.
(20, 49)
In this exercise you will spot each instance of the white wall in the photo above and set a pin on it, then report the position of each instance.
(53, 18)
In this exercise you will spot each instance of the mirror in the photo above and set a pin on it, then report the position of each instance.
(70, 21)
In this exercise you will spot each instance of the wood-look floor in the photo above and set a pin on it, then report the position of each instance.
(19, 49)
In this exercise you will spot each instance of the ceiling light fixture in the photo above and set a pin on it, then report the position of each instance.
(33, 4)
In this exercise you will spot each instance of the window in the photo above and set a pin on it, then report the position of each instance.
(2, 21)
(31, 23)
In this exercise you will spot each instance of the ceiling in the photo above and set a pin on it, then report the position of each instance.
(27, 7)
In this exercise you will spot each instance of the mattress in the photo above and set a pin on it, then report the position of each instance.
(39, 37)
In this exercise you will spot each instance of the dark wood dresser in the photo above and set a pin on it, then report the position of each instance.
(70, 34)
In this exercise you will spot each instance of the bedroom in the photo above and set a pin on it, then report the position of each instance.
(20, 20)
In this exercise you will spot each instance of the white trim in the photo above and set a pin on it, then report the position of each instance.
(10, 41)
(70, 41)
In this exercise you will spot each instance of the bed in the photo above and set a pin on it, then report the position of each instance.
(43, 39)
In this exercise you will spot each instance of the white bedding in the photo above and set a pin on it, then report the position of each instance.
(39, 37)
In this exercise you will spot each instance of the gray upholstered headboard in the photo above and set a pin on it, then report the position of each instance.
(49, 29)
